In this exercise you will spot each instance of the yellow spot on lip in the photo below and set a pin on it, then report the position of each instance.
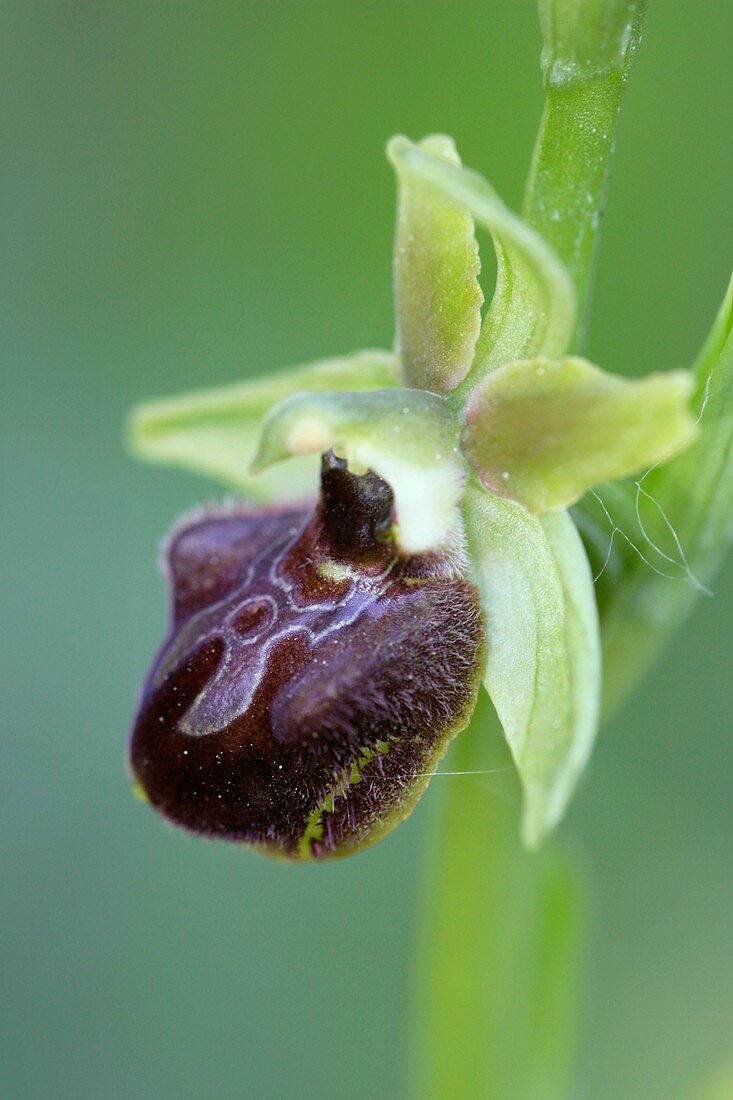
(138, 792)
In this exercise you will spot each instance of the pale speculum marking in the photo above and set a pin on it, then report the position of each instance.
(267, 603)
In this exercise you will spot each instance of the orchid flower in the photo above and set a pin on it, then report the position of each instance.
(326, 646)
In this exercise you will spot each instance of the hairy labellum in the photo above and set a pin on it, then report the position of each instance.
(312, 678)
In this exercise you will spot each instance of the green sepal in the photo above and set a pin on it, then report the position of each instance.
(543, 665)
(215, 432)
(408, 437)
(542, 431)
(436, 265)
(533, 308)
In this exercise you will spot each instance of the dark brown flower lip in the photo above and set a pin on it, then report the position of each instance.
(311, 677)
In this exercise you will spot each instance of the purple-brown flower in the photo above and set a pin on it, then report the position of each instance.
(313, 675)
(319, 662)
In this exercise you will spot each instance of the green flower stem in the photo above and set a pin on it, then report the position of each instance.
(499, 946)
(585, 61)
(566, 207)
(500, 942)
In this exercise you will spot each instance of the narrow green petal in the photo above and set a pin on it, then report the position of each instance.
(408, 437)
(543, 431)
(215, 432)
(543, 664)
(533, 308)
(436, 265)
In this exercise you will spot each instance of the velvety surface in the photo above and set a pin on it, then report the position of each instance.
(312, 677)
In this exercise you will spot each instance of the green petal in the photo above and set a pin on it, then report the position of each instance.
(533, 308)
(543, 431)
(436, 265)
(408, 437)
(215, 432)
(543, 664)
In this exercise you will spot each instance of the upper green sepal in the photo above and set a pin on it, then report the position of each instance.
(436, 266)
(542, 432)
(532, 311)
(215, 432)
(408, 437)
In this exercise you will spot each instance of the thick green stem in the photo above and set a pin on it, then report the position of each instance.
(499, 944)
(566, 206)
(588, 47)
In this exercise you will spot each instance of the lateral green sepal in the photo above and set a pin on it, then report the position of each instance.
(436, 265)
(533, 308)
(215, 432)
(543, 665)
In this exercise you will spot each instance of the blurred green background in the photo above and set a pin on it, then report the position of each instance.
(197, 192)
